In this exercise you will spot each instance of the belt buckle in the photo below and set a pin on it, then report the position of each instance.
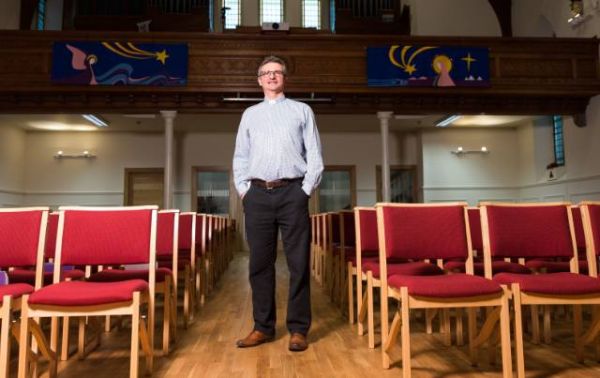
(269, 185)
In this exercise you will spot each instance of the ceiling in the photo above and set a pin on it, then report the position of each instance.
(229, 122)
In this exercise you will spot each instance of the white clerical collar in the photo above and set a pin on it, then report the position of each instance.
(275, 100)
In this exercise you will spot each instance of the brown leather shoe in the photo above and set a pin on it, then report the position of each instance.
(298, 342)
(253, 339)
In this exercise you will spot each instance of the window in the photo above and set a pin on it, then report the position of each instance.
(403, 183)
(233, 14)
(337, 190)
(559, 146)
(271, 11)
(311, 14)
(211, 190)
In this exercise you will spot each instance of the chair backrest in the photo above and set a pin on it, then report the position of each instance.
(530, 230)
(167, 232)
(347, 228)
(187, 231)
(106, 236)
(202, 233)
(579, 233)
(22, 237)
(423, 231)
(51, 231)
(333, 223)
(367, 242)
(475, 229)
(590, 212)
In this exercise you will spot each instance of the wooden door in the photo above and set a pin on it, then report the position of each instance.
(144, 186)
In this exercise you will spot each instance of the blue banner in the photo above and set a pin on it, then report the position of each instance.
(427, 66)
(119, 63)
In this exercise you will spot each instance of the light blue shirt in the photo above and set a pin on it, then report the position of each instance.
(277, 139)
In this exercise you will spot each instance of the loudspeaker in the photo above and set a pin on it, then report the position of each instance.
(275, 26)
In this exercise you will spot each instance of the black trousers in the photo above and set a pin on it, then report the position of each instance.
(268, 211)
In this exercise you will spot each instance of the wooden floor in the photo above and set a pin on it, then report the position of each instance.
(207, 348)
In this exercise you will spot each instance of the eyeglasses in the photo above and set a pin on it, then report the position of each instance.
(269, 73)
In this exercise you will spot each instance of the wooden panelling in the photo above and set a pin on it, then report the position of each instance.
(528, 75)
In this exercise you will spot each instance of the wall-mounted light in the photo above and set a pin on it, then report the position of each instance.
(81, 155)
(447, 121)
(461, 151)
(96, 120)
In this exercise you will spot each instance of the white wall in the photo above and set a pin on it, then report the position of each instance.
(470, 177)
(454, 18)
(99, 181)
(12, 166)
(10, 11)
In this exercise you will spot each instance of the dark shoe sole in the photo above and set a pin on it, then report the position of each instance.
(297, 348)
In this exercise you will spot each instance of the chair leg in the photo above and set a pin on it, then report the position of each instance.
(24, 339)
(535, 325)
(547, 330)
(472, 331)
(577, 325)
(349, 277)
(135, 337)
(64, 345)
(505, 338)
(361, 299)
(459, 327)
(5, 315)
(370, 315)
(167, 315)
(516, 292)
(405, 331)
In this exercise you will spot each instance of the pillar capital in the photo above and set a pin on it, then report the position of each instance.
(168, 114)
(384, 115)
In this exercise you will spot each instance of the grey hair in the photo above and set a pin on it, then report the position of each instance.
(272, 59)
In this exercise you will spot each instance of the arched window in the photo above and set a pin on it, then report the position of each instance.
(271, 11)
(311, 14)
(233, 15)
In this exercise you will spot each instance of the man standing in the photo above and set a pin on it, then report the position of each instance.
(276, 165)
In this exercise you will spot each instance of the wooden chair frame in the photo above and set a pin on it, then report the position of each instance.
(407, 302)
(520, 298)
(11, 305)
(140, 331)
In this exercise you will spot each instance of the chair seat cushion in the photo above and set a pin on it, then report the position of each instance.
(552, 283)
(114, 275)
(28, 276)
(15, 290)
(83, 293)
(547, 266)
(408, 268)
(446, 286)
(499, 266)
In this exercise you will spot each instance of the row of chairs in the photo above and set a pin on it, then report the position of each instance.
(440, 256)
(101, 241)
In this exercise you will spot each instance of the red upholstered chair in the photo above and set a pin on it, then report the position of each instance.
(99, 236)
(436, 232)
(204, 257)
(347, 257)
(332, 253)
(371, 271)
(540, 230)
(498, 265)
(590, 214)
(22, 234)
(167, 233)
(187, 262)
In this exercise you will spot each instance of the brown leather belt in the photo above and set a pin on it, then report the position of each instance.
(276, 183)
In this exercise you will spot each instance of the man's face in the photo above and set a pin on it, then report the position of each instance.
(271, 77)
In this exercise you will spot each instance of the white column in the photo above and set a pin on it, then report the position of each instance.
(169, 116)
(384, 120)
